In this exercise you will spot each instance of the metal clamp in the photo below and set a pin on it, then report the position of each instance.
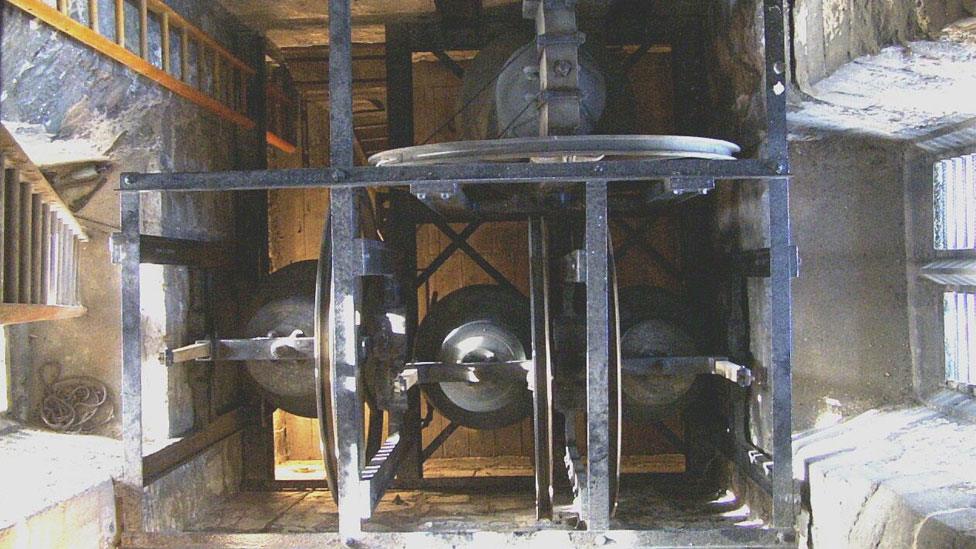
(738, 374)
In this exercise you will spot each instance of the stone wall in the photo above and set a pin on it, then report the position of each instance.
(75, 94)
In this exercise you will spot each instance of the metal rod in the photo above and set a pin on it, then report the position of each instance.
(541, 367)
(468, 174)
(442, 224)
(597, 503)
(446, 254)
(648, 250)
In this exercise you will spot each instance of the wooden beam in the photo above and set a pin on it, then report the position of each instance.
(281, 144)
(157, 464)
(19, 313)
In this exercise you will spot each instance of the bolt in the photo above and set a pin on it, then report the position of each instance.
(421, 196)
(338, 174)
(445, 196)
(562, 68)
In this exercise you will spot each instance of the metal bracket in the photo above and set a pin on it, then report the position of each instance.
(374, 258)
(738, 374)
(270, 349)
(755, 263)
(442, 197)
(682, 365)
(667, 189)
(574, 267)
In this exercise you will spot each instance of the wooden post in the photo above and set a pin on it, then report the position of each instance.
(184, 54)
(120, 22)
(164, 31)
(144, 29)
(93, 15)
(63, 6)
(216, 75)
(201, 51)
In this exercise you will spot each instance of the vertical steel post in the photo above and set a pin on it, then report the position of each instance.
(131, 491)
(541, 367)
(777, 150)
(776, 146)
(346, 401)
(782, 345)
(597, 500)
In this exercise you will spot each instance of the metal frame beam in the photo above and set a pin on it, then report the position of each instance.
(597, 502)
(467, 174)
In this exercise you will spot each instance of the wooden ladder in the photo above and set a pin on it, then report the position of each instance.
(39, 243)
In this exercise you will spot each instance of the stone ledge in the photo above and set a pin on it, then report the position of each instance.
(42, 470)
(894, 478)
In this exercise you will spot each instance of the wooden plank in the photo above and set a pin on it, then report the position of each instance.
(195, 253)
(157, 464)
(18, 313)
(105, 46)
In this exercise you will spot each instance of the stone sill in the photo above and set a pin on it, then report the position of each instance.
(889, 478)
(42, 469)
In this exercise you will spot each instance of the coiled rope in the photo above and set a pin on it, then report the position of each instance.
(74, 404)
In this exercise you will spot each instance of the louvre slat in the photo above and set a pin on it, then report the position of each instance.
(12, 219)
(37, 245)
(26, 250)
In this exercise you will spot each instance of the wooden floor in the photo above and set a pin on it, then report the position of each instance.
(644, 507)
